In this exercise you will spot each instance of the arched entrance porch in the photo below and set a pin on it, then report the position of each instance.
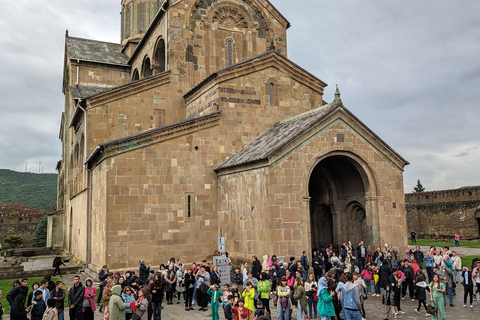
(341, 192)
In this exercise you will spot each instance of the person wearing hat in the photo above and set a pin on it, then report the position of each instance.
(215, 299)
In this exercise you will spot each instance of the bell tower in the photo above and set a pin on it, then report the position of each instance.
(136, 17)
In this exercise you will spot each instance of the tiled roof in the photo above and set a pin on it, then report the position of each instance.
(96, 51)
(82, 92)
(22, 209)
(277, 137)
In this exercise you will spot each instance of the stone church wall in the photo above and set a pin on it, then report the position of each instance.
(445, 212)
(22, 224)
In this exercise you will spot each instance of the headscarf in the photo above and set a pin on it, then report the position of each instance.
(321, 285)
(91, 281)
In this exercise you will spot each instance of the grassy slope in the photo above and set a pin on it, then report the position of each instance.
(441, 243)
(37, 191)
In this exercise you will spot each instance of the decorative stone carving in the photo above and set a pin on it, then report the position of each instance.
(229, 18)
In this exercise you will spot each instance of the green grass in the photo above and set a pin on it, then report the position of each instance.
(6, 286)
(443, 243)
(467, 260)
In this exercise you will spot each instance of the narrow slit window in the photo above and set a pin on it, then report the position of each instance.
(158, 5)
(189, 206)
(270, 88)
(230, 56)
(141, 15)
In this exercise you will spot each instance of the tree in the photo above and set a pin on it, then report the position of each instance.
(40, 237)
(13, 240)
(419, 187)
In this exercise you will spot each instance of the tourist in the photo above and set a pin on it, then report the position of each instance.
(202, 279)
(30, 298)
(317, 263)
(215, 276)
(409, 279)
(215, 297)
(51, 312)
(446, 277)
(106, 295)
(57, 262)
(430, 264)
(395, 287)
(361, 255)
(274, 262)
(409, 252)
(438, 259)
(19, 290)
(244, 272)
(456, 266)
(129, 298)
(170, 281)
(39, 306)
(59, 296)
(265, 266)
(102, 276)
(325, 308)
(467, 280)
(413, 234)
(189, 289)
(228, 310)
(388, 302)
(226, 293)
(457, 240)
(300, 296)
(437, 290)
(240, 311)
(311, 292)
(181, 272)
(305, 264)
(259, 310)
(75, 299)
(334, 259)
(256, 268)
(418, 255)
(367, 275)
(141, 306)
(17, 308)
(88, 307)
(420, 292)
(238, 279)
(283, 294)
(273, 277)
(45, 291)
(263, 289)
(350, 299)
(476, 275)
(249, 297)
(143, 270)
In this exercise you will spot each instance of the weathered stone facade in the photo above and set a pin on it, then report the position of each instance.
(147, 153)
(19, 219)
(444, 212)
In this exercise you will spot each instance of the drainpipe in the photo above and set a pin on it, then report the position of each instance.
(166, 35)
(78, 70)
(89, 179)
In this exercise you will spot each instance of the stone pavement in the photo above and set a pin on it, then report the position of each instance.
(42, 263)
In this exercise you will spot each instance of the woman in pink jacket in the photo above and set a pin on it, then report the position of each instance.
(88, 308)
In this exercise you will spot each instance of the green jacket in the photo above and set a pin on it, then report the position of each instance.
(325, 305)
(116, 304)
(264, 289)
(300, 295)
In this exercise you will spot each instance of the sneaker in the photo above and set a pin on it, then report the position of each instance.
(464, 305)
(403, 298)
(193, 302)
(471, 306)
(427, 315)
(412, 299)
(451, 305)
(187, 309)
(416, 310)
(401, 312)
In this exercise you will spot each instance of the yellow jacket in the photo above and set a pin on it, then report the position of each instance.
(249, 299)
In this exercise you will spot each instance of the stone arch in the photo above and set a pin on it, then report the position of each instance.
(230, 15)
(146, 67)
(342, 182)
(135, 75)
(159, 56)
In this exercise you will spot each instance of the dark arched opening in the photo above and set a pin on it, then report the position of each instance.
(337, 190)
(135, 75)
(159, 57)
(146, 68)
(477, 217)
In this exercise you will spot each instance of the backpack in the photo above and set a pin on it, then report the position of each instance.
(284, 302)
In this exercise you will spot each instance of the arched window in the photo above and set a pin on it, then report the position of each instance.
(141, 15)
(135, 76)
(159, 56)
(146, 69)
(270, 93)
(230, 52)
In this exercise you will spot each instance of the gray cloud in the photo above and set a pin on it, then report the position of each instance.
(410, 71)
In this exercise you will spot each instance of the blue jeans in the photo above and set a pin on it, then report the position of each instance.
(281, 311)
(351, 315)
(312, 304)
(457, 243)
(449, 292)
(361, 263)
(194, 297)
(299, 311)
(368, 283)
(61, 315)
(157, 310)
(325, 318)
(377, 288)
(305, 275)
(76, 313)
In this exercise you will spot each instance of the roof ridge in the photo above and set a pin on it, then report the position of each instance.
(78, 38)
(306, 113)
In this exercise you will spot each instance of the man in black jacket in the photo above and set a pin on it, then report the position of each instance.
(418, 255)
(102, 276)
(75, 299)
(407, 270)
(143, 271)
(467, 280)
(362, 255)
(22, 289)
(58, 294)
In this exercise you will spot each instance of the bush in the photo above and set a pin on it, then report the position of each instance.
(40, 237)
(13, 240)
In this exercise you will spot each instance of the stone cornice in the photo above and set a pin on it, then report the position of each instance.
(128, 89)
(144, 139)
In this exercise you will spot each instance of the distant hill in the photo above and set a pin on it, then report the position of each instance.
(35, 190)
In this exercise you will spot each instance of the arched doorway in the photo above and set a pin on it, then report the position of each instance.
(159, 57)
(338, 188)
(477, 217)
(146, 68)
(135, 76)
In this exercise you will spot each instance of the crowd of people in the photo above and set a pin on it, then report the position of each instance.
(331, 285)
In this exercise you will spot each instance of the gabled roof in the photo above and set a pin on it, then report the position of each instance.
(95, 51)
(20, 208)
(82, 92)
(286, 131)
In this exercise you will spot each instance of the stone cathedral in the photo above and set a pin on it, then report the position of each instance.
(198, 124)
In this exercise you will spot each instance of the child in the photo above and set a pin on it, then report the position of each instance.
(260, 309)
(229, 308)
(238, 279)
(388, 301)
(215, 296)
(226, 294)
(235, 292)
(240, 312)
(39, 306)
(249, 296)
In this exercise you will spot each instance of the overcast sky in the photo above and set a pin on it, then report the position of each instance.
(410, 70)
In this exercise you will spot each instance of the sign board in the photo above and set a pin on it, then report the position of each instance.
(224, 272)
(220, 261)
(221, 245)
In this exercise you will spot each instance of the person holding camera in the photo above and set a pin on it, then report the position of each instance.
(312, 299)
(476, 275)
(249, 296)
(467, 280)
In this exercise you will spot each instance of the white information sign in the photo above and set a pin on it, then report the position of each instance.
(221, 245)
(224, 272)
(220, 260)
